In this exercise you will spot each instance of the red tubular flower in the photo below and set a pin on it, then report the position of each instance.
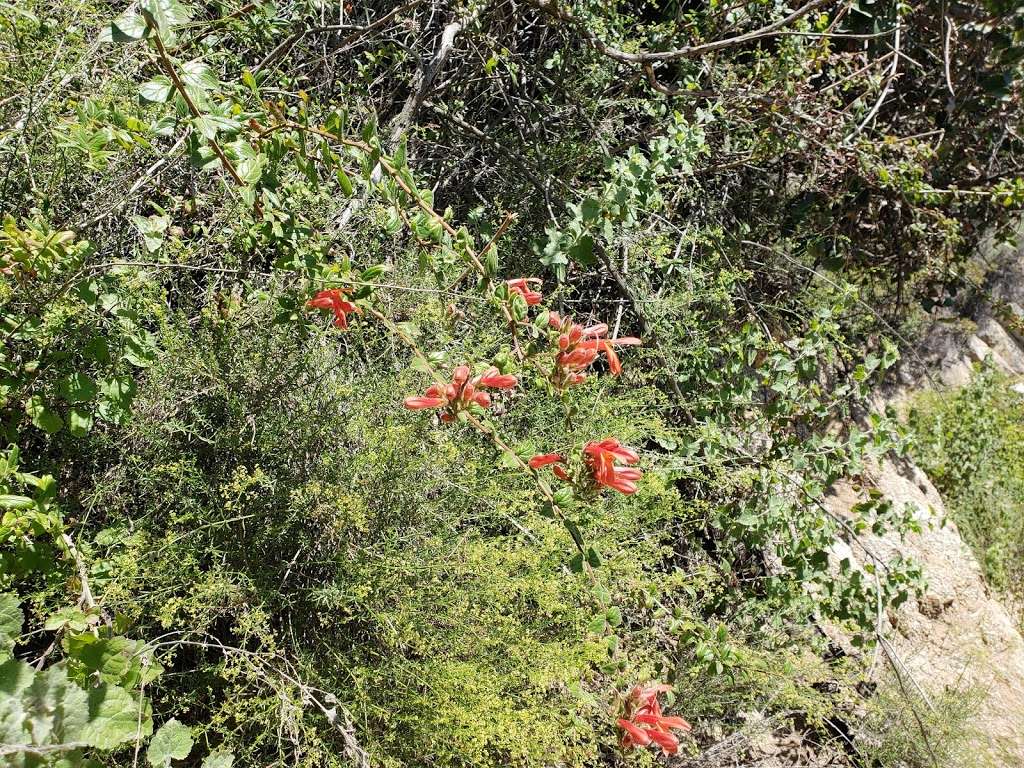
(496, 380)
(419, 403)
(333, 299)
(521, 285)
(543, 459)
(579, 348)
(601, 455)
(645, 724)
(461, 392)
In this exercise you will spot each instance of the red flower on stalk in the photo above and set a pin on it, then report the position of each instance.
(600, 457)
(334, 300)
(579, 347)
(521, 285)
(645, 724)
(544, 459)
(462, 392)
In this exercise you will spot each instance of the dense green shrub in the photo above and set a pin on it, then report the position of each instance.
(217, 515)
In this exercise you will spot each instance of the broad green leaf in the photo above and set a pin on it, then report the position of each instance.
(196, 74)
(168, 13)
(15, 677)
(583, 250)
(11, 619)
(140, 349)
(77, 388)
(118, 390)
(173, 741)
(57, 710)
(72, 618)
(211, 125)
(152, 229)
(248, 162)
(165, 15)
(113, 717)
(126, 28)
(219, 759)
(156, 91)
(79, 421)
(42, 417)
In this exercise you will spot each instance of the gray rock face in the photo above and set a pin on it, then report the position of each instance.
(957, 636)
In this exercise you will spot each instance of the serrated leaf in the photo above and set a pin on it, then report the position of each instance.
(113, 718)
(173, 741)
(56, 709)
(15, 677)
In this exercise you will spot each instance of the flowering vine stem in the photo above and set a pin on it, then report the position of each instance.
(491, 433)
(168, 66)
(395, 174)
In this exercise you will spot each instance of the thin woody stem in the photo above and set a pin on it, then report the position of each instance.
(179, 86)
(473, 256)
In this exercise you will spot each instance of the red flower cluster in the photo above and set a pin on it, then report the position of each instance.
(334, 300)
(600, 457)
(579, 347)
(461, 392)
(644, 724)
(521, 285)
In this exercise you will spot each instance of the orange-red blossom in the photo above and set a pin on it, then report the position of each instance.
(579, 347)
(521, 285)
(334, 300)
(600, 457)
(461, 392)
(645, 724)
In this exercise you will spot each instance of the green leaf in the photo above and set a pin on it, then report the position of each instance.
(113, 718)
(583, 250)
(172, 742)
(15, 677)
(126, 28)
(70, 617)
(140, 349)
(219, 759)
(344, 182)
(152, 229)
(42, 416)
(211, 125)
(79, 421)
(156, 91)
(77, 388)
(165, 15)
(13, 501)
(11, 619)
(56, 709)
